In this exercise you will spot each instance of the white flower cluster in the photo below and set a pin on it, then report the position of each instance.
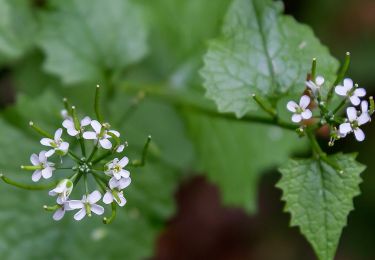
(112, 178)
(339, 127)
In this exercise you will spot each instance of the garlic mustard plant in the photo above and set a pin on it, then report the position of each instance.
(101, 164)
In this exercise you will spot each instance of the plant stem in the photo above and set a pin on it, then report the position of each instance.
(341, 105)
(105, 155)
(181, 99)
(140, 163)
(93, 152)
(26, 186)
(340, 76)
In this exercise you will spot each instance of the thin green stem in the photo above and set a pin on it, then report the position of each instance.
(113, 214)
(103, 156)
(82, 144)
(97, 104)
(40, 130)
(142, 162)
(99, 182)
(93, 152)
(100, 176)
(86, 184)
(340, 106)
(74, 156)
(26, 186)
(267, 109)
(313, 69)
(184, 100)
(340, 76)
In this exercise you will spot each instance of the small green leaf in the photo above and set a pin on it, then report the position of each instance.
(320, 199)
(234, 155)
(260, 52)
(92, 41)
(17, 28)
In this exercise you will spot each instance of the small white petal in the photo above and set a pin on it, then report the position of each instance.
(36, 175)
(108, 197)
(348, 83)
(46, 141)
(59, 214)
(105, 143)
(123, 183)
(363, 118)
(97, 209)
(50, 153)
(116, 133)
(319, 80)
(43, 156)
(75, 204)
(94, 197)
(359, 134)
(85, 121)
(58, 134)
(122, 201)
(96, 126)
(341, 90)
(360, 92)
(364, 106)
(345, 128)
(120, 148)
(124, 173)
(312, 86)
(352, 113)
(292, 106)
(113, 183)
(306, 114)
(64, 146)
(90, 135)
(34, 159)
(355, 100)
(68, 124)
(124, 161)
(47, 173)
(304, 102)
(80, 214)
(72, 132)
(296, 118)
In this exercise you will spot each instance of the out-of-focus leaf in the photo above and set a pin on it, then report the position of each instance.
(319, 198)
(91, 41)
(260, 51)
(29, 232)
(234, 154)
(17, 28)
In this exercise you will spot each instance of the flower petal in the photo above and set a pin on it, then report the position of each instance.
(304, 102)
(47, 172)
(341, 90)
(120, 148)
(58, 134)
(363, 118)
(68, 124)
(80, 214)
(123, 183)
(319, 80)
(122, 201)
(96, 126)
(105, 143)
(97, 209)
(59, 214)
(116, 133)
(94, 197)
(43, 157)
(345, 128)
(124, 161)
(46, 141)
(75, 204)
(36, 175)
(364, 106)
(72, 132)
(124, 173)
(85, 121)
(50, 153)
(64, 146)
(348, 83)
(89, 135)
(108, 197)
(359, 134)
(307, 114)
(355, 100)
(312, 86)
(296, 118)
(360, 92)
(113, 183)
(34, 159)
(292, 106)
(352, 113)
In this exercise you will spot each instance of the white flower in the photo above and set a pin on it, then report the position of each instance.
(115, 168)
(62, 190)
(119, 184)
(315, 85)
(348, 91)
(45, 168)
(300, 111)
(115, 195)
(100, 134)
(56, 143)
(60, 212)
(69, 125)
(120, 148)
(87, 205)
(364, 108)
(354, 123)
(64, 114)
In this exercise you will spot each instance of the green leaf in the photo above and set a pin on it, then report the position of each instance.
(320, 199)
(17, 28)
(92, 41)
(260, 52)
(234, 154)
(28, 231)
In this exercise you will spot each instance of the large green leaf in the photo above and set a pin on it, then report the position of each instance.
(29, 232)
(319, 198)
(92, 40)
(234, 154)
(17, 28)
(260, 51)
